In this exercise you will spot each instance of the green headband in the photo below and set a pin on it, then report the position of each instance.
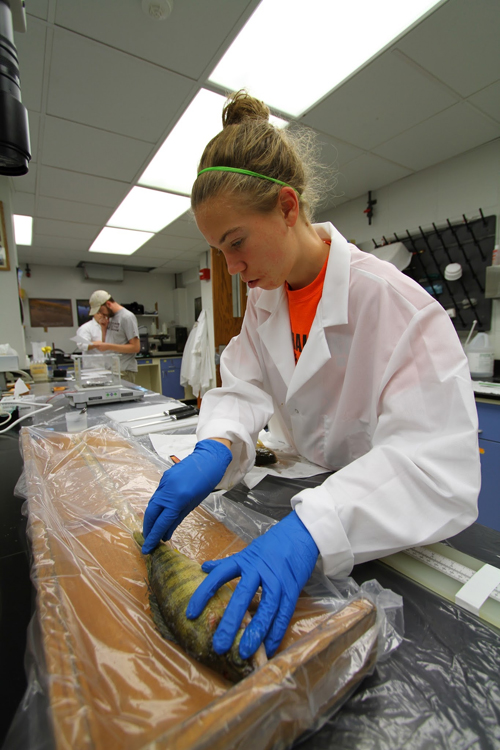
(247, 172)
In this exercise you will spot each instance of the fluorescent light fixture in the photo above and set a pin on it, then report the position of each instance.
(175, 165)
(148, 210)
(119, 241)
(23, 229)
(310, 48)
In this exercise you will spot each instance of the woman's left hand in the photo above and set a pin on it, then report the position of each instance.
(281, 562)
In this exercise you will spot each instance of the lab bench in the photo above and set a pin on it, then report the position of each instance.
(418, 698)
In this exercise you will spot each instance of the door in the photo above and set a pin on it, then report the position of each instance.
(226, 324)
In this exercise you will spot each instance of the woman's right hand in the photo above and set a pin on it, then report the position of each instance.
(182, 488)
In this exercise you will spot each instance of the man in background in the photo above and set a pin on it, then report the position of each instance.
(122, 335)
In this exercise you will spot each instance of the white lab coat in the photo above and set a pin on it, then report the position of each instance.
(197, 368)
(90, 331)
(381, 392)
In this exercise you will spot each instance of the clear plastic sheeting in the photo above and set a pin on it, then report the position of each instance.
(99, 673)
(441, 687)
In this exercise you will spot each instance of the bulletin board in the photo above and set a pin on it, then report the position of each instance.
(51, 313)
(469, 242)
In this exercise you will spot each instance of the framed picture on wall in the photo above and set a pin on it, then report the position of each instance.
(4, 250)
(82, 311)
(51, 313)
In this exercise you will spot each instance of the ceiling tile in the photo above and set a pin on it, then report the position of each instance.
(458, 43)
(382, 100)
(366, 172)
(26, 183)
(83, 149)
(111, 90)
(74, 186)
(52, 228)
(188, 41)
(488, 100)
(161, 254)
(185, 226)
(447, 134)
(170, 242)
(83, 213)
(31, 50)
(39, 8)
(63, 243)
(23, 203)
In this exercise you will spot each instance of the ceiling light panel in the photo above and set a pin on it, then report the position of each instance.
(148, 210)
(119, 241)
(301, 62)
(175, 165)
(23, 229)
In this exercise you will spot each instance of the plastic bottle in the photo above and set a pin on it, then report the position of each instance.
(495, 261)
(481, 358)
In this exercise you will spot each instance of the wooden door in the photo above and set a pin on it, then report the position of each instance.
(225, 324)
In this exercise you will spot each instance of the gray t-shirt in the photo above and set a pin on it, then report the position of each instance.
(122, 327)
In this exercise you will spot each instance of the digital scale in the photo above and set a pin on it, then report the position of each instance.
(460, 578)
(98, 381)
(92, 395)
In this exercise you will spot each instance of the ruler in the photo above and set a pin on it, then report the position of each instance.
(445, 565)
(445, 571)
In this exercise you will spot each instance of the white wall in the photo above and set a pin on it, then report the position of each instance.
(68, 283)
(457, 186)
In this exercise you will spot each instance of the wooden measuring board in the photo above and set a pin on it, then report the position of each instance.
(445, 571)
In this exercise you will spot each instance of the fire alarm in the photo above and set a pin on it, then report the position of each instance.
(204, 274)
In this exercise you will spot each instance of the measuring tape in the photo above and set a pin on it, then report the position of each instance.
(455, 576)
(451, 568)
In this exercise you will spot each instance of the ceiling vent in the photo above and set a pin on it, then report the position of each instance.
(100, 272)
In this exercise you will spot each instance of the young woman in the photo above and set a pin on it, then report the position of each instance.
(347, 359)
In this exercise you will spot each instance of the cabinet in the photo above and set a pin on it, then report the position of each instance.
(171, 377)
(489, 448)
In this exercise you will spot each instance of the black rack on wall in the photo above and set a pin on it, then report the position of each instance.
(470, 243)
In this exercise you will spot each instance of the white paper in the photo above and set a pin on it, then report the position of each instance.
(20, 388)
(289, 465)
(173, 445)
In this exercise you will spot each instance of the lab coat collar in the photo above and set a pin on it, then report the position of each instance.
(334, 302)
(275, 330)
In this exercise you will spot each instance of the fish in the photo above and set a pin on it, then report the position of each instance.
(173, 578)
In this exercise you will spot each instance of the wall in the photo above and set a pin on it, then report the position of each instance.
(65, 282)
(446, 191)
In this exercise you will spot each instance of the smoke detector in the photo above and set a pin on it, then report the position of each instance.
(157, 10)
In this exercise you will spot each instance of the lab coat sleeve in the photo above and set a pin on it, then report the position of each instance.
(420, 480)
(84, 332)
(241, 408)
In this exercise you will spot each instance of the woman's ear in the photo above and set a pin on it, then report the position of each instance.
(288, 203)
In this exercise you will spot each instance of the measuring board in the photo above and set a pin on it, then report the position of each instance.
(447, 572)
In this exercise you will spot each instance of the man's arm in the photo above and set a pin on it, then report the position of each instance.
(133, 346)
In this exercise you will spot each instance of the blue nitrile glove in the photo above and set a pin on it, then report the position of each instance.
(281, 561)
(182, 488)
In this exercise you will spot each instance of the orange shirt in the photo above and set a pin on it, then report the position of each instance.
(302, 305)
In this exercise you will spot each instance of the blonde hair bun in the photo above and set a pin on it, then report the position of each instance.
(241, 106)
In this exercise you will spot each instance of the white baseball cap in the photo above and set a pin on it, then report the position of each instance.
(97, 300)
